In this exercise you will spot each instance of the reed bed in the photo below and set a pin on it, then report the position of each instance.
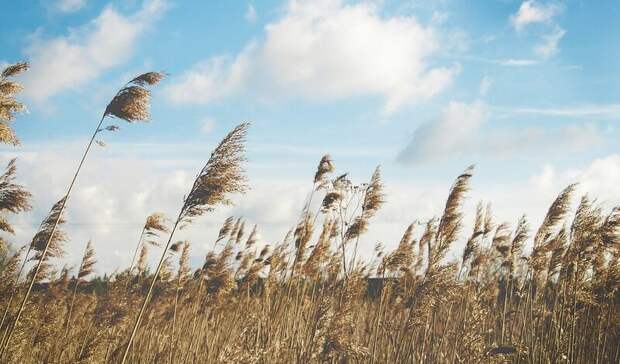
(519, 293)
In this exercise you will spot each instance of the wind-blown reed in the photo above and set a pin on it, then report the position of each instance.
(131, 103)
(221, 176)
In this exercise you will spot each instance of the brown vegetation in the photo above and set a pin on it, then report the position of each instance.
(309, 297)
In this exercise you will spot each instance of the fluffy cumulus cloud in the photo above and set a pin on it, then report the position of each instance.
(598, 179)
(465, 130)
(327, 49)
(70, 61)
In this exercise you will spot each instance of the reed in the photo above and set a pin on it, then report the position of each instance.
(221, 176)
(512, 296)
(131, 103)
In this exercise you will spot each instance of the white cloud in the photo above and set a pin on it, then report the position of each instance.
(70, 61)
(518, 62)
(208, 81)
(545, 179)
(451, 134)
(599, 179)
(70, 6)
(250, 14)
(549, 46)
(602, 178)
(207, 125)
(463, 130)
(609, 111)
(532, 12)
(326, 50)
(122, 184)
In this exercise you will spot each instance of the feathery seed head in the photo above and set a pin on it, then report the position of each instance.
(15, 69)
(326, 165)
(132, 102)
(8, 105)
(221, 176)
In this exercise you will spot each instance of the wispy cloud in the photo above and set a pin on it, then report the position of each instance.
(518, 62)
(464, 130)
(69, 6)
(449, 135)
(607, 111)
(549, 45)
(207, 125)
(250, 14)
(506, 62)
(532, 12)
(485, 85)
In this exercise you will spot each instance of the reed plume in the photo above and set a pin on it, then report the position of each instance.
(9, 106)
(253, 238)
(225, 230)
(326, 166)
(319, 252)
(47, 243)
(520, 236)
(402, 258)
(131, 103)
(473, 242)
(451, 220)
(556, 213)
(221, 176)
(181, 279)
(303, 234)
(154, 225)
(85, 269)
(14, 198)
(374, 198)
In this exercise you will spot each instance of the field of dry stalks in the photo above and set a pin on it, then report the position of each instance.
(310, 297)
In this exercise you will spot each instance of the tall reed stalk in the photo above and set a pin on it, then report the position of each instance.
(222, 175)
(131, 103)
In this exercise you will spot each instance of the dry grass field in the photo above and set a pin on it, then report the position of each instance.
(524, 292)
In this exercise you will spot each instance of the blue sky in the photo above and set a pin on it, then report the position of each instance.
(529, 91)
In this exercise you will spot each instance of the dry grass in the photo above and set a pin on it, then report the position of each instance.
(290, 302)
(309, 298)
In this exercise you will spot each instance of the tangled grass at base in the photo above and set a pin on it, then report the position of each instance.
(517, 294)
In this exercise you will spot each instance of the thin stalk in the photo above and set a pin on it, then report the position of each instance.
(14, 290)
(47, 244)
(135, 253)
(77, 282)
(174, 318)
(150, 291)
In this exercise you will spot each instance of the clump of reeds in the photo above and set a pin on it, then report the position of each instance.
(131, 103)
(552, 297)
(221, 176)
(9, 106)
(14, 198)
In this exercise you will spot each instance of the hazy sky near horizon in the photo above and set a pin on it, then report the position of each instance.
(529, 91)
